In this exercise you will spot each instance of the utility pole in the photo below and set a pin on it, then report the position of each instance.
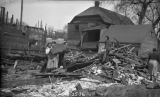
(21, 15)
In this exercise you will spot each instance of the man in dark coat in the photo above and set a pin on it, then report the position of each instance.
(153, 60)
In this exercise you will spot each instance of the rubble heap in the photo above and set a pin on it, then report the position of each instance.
(59, 89)
(124, 66)
(125, 73)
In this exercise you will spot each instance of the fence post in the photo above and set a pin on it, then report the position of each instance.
(7, 17)
(12, 19)
(17, 22)
(3, 15)
(44, 39)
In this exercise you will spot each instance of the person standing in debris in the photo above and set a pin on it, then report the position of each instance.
(47, 58)
(61, 56)
(107, 46)
(51, 58)
(153, 60)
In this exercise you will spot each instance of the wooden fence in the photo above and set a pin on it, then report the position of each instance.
(14, 39)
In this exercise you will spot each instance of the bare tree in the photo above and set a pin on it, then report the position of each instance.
(140, 11)
(65, 28)
(50, 32)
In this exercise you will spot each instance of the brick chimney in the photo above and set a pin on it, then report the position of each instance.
(96, 3)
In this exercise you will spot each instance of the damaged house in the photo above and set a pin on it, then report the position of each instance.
(142, 37)
(84, 28)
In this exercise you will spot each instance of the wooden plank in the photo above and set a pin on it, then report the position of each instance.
(128, 59)
(62, 74)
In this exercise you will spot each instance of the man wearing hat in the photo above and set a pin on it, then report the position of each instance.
(107, 47)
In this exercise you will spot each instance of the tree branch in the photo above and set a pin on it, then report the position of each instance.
(140, 1)
(153, 17)
(142, 12)
(158, 11)
(150, 1)
(148, 18)
(156, 22)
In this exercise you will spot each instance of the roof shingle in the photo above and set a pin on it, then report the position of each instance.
(106, 15)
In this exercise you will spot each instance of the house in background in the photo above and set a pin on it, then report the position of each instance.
(88, 24)
(140, 36)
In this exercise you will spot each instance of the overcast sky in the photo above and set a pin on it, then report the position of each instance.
(53, 13)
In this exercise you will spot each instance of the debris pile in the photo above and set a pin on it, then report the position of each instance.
(76, 88)
(124, 66)
(21, 63)
(60, 89)
(74, 56)
(23, 67)
(124, 72)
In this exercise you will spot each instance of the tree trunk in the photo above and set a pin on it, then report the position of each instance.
(142, 13)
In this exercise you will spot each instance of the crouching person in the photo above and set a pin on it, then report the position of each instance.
(153, 60)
